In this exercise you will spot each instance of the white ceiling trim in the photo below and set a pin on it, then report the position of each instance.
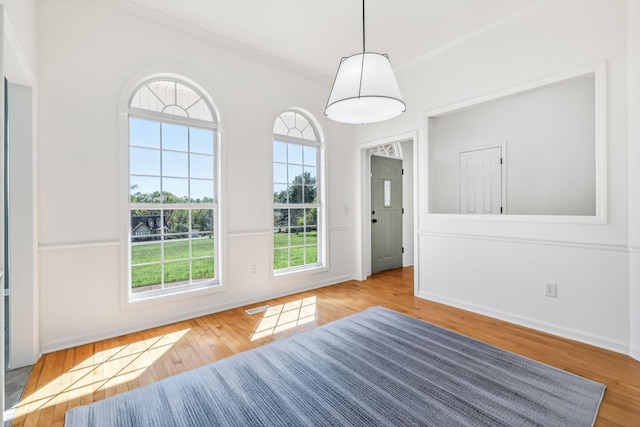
(193, 29)
(468, 38)
(219, 41)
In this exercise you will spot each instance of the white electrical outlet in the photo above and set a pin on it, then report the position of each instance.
(550, 290)
(254, 269)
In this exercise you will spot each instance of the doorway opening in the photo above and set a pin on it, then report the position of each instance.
(403, 149)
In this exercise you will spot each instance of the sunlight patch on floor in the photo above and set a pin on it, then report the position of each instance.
(103, 370)
(286, 316)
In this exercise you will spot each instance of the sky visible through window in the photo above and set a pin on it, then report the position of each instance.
(172, 158)
(291, 161)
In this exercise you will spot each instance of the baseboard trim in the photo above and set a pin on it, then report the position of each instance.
(635, 353)
(605, 343)
(90, 338)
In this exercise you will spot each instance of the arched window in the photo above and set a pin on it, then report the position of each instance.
(297, 195)
(173, 151)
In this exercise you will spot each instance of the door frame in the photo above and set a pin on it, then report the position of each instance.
(363, 232)
(503, 147)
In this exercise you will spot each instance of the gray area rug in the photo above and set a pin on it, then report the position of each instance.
(374, 368)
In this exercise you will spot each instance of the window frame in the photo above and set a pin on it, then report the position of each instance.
(200, 287)
(320, 205)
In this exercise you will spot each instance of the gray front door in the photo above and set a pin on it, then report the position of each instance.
(386, 213)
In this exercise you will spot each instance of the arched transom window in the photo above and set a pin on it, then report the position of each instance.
(387, 150)
(295, 125)
(298, 210)
(172, 203)
(172, 98)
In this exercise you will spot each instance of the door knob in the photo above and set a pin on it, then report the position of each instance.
(374, 220)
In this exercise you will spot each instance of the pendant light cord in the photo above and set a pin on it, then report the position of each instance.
(363, 41)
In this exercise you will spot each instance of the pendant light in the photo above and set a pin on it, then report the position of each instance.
(365, 89)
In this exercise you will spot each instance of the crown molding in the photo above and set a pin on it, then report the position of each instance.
(468, 38)
(218, 40)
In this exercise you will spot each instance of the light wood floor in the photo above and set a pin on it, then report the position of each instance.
(80, 375)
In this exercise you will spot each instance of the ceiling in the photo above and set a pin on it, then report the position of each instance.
(315, 34)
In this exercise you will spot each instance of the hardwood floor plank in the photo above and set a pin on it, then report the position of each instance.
(64, 379)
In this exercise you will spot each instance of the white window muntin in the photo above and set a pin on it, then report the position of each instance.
(162, 118)
(161, 150)
(185, 98)
(193, 283)
(318, 205)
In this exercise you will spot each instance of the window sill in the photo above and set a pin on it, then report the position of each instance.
(300, 271)
(151, 298)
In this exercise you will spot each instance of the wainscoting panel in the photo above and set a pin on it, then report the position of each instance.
(80, 286)
(506, 278)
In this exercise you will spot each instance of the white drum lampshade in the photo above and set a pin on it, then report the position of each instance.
(365, 90)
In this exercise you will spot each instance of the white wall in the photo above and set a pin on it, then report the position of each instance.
(550, 149)
(2, 232)
(19, 57)
(500, 267)
(88, 53)
(633, 22)
(23, 213)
